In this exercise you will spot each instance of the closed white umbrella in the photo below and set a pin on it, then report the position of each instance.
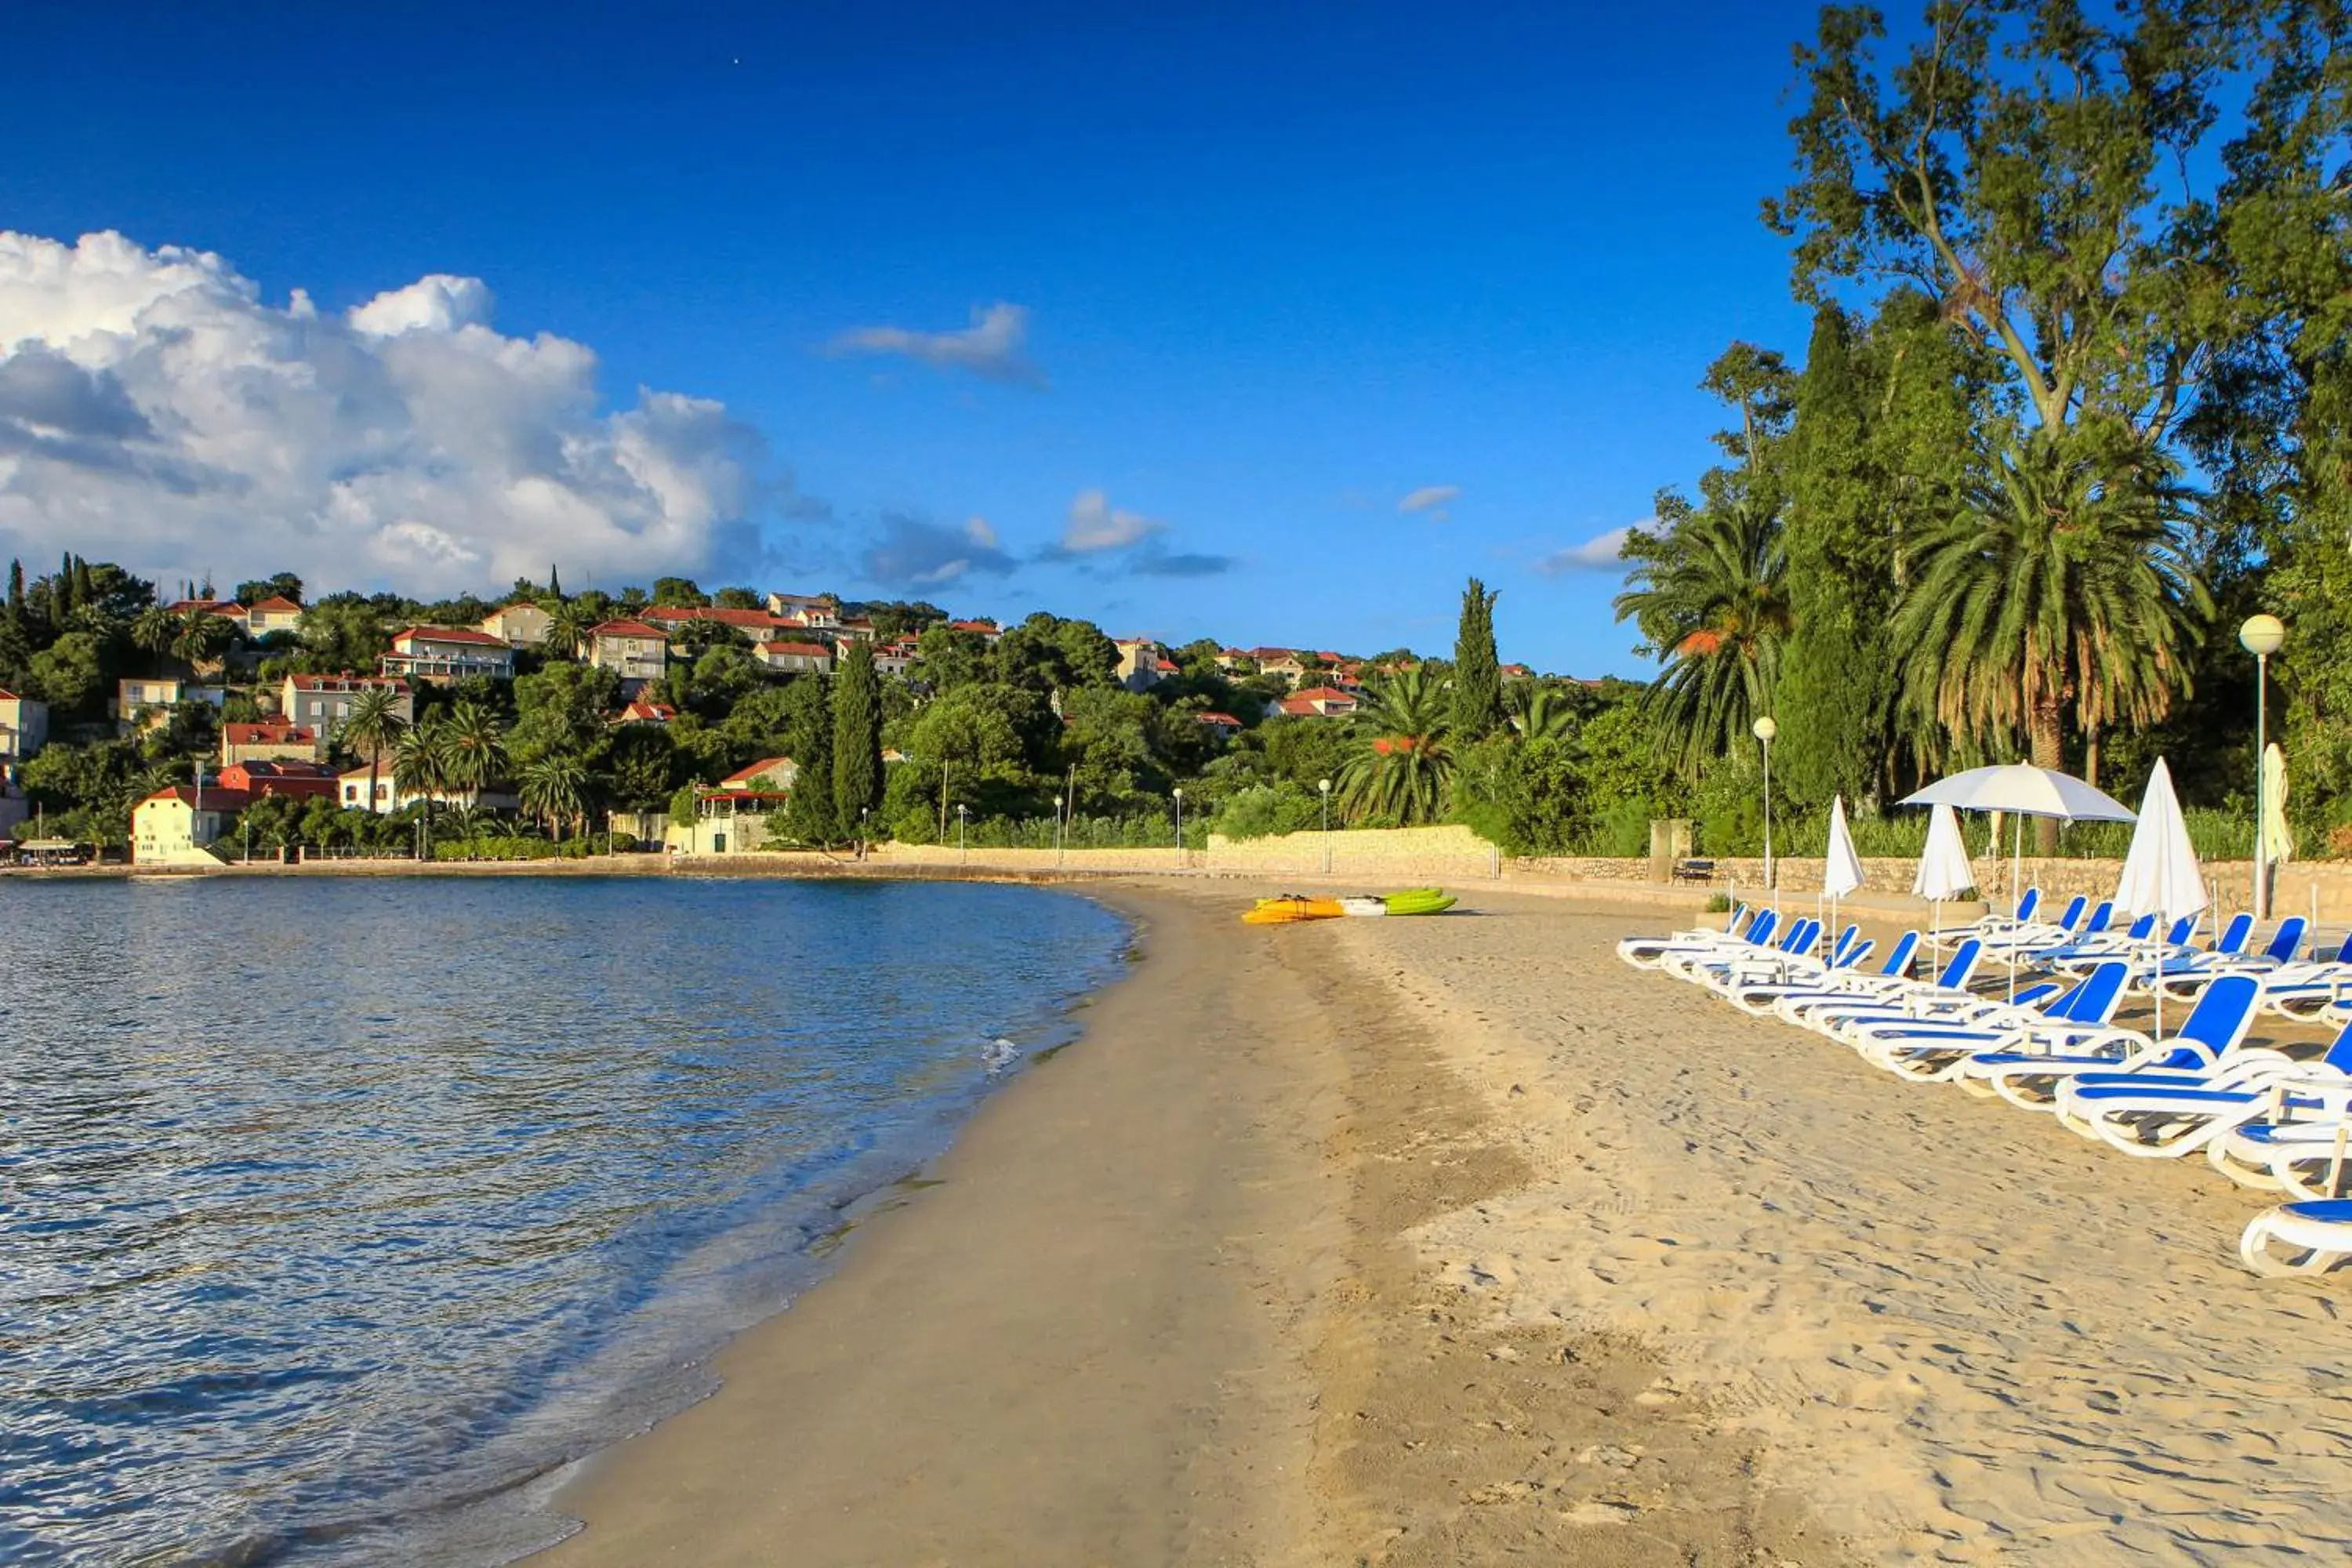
(2161, 875)
(1841, 867)
(1944, 868)
(2278, 840)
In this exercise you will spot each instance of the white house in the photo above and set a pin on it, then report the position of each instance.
(148, 701)
(733, 817)
(448, 653)
(323, 703)
(630, 649)
(178, 826)
(23, 727)
(520, 624)
(275, 614)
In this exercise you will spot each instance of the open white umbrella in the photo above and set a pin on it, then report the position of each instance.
(1841, 867)
(1944, 868)
(2162, 877)
(2024, 791)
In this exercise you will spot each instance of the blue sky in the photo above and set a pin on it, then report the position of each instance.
(1270, 270)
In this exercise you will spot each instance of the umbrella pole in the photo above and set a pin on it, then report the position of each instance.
(2016, 898)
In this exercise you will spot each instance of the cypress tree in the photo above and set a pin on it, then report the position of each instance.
(811, 815)
(16, 590)
(1477, 676)
(554, 583)
(856, 736)
(1836, 673)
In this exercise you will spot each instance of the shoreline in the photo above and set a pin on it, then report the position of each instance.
(1164, 1302)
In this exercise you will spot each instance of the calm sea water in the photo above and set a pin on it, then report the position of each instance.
(334, 1211)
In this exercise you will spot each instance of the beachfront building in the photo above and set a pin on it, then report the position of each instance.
(448, 653)
(275, 614)
(797, 657)
(298, 777)
(145, 701)
(179, 826)
(269, 741)
(321, 702)
(734, 818)
(630, 649)
(23, 728)
(520, 624)
(352, 785)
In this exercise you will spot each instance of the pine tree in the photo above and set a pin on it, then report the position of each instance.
(856, 737)
(1477, 676)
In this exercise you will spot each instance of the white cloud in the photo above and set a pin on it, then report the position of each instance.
(1430, 498)
(1598, 553)
(155, 412)
(992, 348)
(981, 533)
(914, 554)
(1095, 524)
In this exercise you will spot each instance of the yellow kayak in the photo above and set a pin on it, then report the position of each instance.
(1290, 910)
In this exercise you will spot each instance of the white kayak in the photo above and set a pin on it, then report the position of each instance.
(1364, 906)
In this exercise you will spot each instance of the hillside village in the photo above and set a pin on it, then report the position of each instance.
(203, 727)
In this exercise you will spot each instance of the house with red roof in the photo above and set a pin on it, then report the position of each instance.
(275, 614)
(631, 649)
(986, 631)
(897, 658)
(733, 816)
(447, 652)
(1320, 702)
(819, 611)
(640, 710)
(1518, 672)
(796, 658)
(1142, 664)
(302, 778)
(1223, 725)
(228, 610)
(752, 625)
(179, 826)
(268, 741)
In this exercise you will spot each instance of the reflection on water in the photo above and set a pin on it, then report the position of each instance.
(326, 1205)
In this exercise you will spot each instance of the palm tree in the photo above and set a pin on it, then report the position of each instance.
(555, 789)
(154, 628)
(420, 766)
(464, 820)
(1712, 594)
(2060, 583)
(567, 629)
(1401, 764)
(373, 725)
(478, 746)
(1543, 713)
(199, 636)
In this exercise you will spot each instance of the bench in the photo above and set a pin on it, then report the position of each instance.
(1694, 871)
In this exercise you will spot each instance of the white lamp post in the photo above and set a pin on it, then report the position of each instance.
(2261, 636)
(1325, 787)
(1180, 826)
(1057, 830)
(963, 852)
(1765, 730)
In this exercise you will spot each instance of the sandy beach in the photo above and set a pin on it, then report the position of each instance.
(1456, 1241)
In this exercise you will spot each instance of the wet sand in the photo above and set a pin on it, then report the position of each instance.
(1166, 1304)
(1456, 1241)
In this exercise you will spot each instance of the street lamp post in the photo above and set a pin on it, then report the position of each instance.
(2261, 636)
(1057, 830)
(1324, 785)
(1179, 826)
(1765, 730)
(963, 851)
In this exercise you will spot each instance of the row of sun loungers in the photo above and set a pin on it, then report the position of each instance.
(2262, 1117)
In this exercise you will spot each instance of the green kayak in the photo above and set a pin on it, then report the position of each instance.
(1419, 901)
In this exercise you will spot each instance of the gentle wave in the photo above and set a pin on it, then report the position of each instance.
(329, 1206)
